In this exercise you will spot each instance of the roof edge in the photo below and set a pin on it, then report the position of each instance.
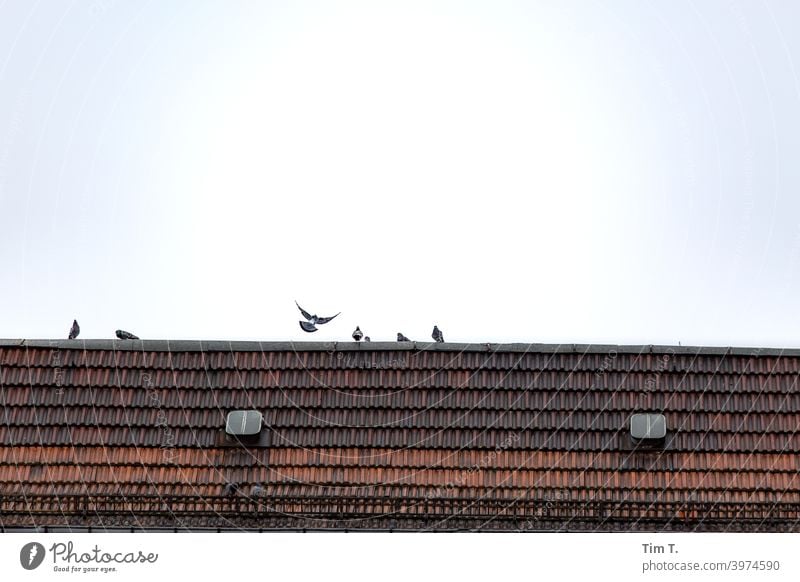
(349, 346)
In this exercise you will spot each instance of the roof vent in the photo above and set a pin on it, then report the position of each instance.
(648, 427)
(244, 423)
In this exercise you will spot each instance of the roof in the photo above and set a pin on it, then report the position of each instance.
(420, 436)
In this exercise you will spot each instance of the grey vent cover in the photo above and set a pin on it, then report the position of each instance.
(243, 423)
(648, 426)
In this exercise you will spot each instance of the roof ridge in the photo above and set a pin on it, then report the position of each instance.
(338, 346)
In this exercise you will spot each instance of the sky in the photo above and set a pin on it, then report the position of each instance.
(619, 172)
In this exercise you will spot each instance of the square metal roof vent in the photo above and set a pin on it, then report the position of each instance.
(648, 427)
(244, 423)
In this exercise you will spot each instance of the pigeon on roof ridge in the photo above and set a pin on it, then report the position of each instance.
(437, 334)
(402, 338)
(125, 335)
(75, 330)
(310, 326)
(358, 334)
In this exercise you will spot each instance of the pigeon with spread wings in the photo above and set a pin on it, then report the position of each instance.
(313, 320)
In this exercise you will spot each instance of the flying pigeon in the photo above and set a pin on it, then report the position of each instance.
(358, 334)
(402, 338)
(313, 321)
(74, 330)
(437, 334)
(124, 335)
(231, 489)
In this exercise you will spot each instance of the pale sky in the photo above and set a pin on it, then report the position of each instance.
(565, 172)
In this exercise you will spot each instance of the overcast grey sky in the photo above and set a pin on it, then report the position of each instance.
(597, 171)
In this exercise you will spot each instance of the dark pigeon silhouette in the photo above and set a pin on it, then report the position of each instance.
(125, 335)
(231, 489)
(402, 338)
(257, 491)
(313, 320)
(358, 334)
(75, 330)
(367, 338)
(437, 334)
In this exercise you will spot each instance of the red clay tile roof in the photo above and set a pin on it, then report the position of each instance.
(107, 434)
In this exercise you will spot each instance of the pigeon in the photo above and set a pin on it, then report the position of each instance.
(402, 338)
(125, 335)
(257, 491)
(358, 334)
(231, 489)
(75, 330)
(367, 338)
(313, 321)
(437, 334)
